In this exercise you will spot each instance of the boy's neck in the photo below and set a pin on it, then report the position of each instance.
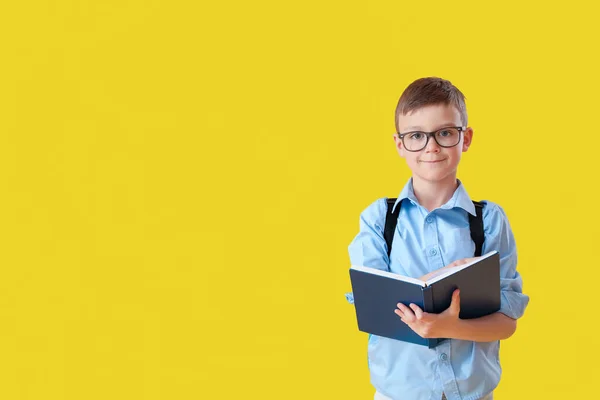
(432, 195)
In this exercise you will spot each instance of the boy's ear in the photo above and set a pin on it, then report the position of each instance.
(467, 139)
(399, 147)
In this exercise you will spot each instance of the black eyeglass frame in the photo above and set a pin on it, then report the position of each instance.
(429, 135)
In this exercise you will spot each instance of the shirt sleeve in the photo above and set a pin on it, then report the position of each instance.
(499, 237)
(368, 248)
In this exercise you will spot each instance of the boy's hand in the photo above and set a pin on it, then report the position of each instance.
(451, 265)
(429, 325)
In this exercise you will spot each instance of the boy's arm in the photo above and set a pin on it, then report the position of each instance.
(368, 248)
(497, 326)
(499, 236)
(490, 328)
(447, 324)
(500, 325)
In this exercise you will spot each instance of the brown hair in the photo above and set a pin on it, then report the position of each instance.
(431, 91)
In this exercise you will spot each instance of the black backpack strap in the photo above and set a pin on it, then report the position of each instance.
(476, 225)
(391, 219)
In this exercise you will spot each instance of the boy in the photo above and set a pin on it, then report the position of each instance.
(433, 231)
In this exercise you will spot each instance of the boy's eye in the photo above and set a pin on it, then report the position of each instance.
(416, 136)
(445, 133)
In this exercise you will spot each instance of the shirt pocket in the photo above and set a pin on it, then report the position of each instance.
(457, 244)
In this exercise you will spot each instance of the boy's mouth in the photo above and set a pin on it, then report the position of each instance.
(432, 161)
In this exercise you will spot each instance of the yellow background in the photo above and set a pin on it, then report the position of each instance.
(180, 181)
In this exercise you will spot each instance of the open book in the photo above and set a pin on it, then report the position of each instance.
(376, 294)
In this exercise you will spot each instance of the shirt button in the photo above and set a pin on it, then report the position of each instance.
(429, 220)
(443, 357)
(432, 252)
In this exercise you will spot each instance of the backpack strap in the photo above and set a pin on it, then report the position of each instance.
(391, 219)
(476, 225)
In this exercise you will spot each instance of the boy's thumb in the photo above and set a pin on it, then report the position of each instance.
(456, 300)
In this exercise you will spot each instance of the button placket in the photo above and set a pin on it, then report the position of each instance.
(431, 237)
(447, 376)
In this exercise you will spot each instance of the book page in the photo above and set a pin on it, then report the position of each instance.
(388, 274)
(445, 272)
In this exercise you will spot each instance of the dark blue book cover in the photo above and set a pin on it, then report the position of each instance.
(377, 292)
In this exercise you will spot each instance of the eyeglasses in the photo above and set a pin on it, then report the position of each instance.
(445, 137)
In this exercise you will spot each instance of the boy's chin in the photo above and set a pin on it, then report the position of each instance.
(433, 176)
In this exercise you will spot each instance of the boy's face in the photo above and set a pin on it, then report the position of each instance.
(434, 163)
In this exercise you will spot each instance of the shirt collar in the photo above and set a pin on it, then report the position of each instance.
(459, 199)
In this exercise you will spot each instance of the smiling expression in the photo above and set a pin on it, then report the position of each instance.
(433, 163)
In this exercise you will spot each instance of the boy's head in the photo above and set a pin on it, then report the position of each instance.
(431, 128)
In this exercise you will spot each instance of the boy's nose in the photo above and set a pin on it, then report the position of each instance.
(432, 146)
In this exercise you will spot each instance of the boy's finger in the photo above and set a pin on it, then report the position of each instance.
(456, 295)
(399, 313)
(455, 303)
(402, 307)
(417, 310)
(409, 316)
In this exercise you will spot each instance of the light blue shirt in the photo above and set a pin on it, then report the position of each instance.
(423, 242)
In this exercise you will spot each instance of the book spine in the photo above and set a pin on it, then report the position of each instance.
(428, 307)
(428, 299)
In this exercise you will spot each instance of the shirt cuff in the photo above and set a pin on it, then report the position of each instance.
(513, 304)
(350, 298)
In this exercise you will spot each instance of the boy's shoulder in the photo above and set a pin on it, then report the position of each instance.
(376, 210)
(491, 206)
(494, 217)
